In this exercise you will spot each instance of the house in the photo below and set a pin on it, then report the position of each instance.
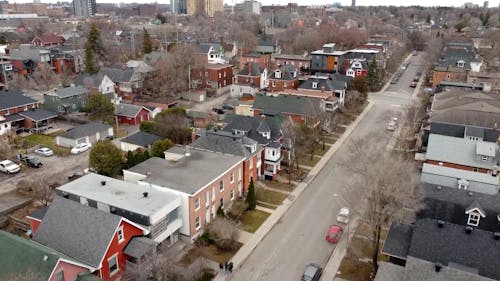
(261, 59)
(327, 59)
(211, 76)
(48, 40)
(94, 237)
(209, 53)
(138, 140)
(21, 255)
(249, 81)
(66, 100)
(455, 237)
(198, 119)
(204, 180)
(234, 143)
(457, 60)
(131, 114)
(302, 110)
(154, 57)
(155, 210)
(331, 84)
(158, 105)
(86, 133)
(127, 81)
(266, 131)
(283, 78)
(98, 82)
(489, 80)
(357, 68)
(28, 57)
(302, 63)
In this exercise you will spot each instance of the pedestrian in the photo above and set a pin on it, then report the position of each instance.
(221, 266)
(230, 267)
(226, 268)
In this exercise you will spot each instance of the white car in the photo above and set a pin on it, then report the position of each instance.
(343, 216)
(81, 147)
(44, 151)
(9, 167)
(391, 126)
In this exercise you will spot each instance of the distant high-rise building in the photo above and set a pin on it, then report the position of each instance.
(486, 4)
(84, 8)
(353, 3)
(36, 1)
(206, 7)
(179, 6)
(249, 6)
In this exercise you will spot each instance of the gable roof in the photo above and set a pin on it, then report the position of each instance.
(251, 69)
(323, 82)
(12, 99)
(287, 105)
(69, 91)
(118, 74)
(50, 38)
(252, 124)
(397, 243)
(24, 255)
(288, 72)
(141, 138)
(225, 142)
(38, 114)
(128, 110)
(84, 130)
(153, 57)
(81, 232)
(205, 47)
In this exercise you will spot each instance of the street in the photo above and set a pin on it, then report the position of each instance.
(298, 239)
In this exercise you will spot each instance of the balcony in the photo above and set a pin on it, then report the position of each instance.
(161, 231)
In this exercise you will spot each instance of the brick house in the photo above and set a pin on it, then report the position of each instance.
(204, 180)
(261, 59)
(48, 40)
(212, 76)
(283, 78)
(94, 237)
(300, 109)
(299, 62)
(252, 73)
(131, 114)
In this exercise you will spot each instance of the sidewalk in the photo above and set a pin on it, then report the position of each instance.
(275, 217)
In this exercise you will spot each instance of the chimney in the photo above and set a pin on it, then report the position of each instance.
(322, 89)
(262, 117)
(103, 183)
(468, 229)
(440, 223)
(437, 267)
(496, 236)
(145, 194)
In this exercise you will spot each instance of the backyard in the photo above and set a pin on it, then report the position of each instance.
(48, 140)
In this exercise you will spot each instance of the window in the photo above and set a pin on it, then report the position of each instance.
(315, 85)
(220, 75)
(121, 237)
(197, 223)
(221, 185)
(222, 203)
(213, 194)
(273, 83)
(239, 174)
(484, 158)
(473, 219)
(251, 163)
(113, 265)
(224, 74)
(197, 204)
(207, 198)
(232, 176)
(274, 152)
(475, 170)
(232, 194)
(60, 276)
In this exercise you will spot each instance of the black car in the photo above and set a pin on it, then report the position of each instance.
(30, 161)
(312, 272)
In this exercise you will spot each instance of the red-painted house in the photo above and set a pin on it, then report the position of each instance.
(96, 238)
(357, 67)
(47, 40)
(132, 114)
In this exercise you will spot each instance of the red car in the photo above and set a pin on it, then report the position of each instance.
(413, 84)
(334, 234)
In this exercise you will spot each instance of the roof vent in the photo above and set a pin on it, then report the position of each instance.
(45, 258)
(112, 210)
(103, 183)
(468, 229)
(145, 194)
(437, 267)
(496, 235)
(470, 193)
(440, 223)
(439, 187)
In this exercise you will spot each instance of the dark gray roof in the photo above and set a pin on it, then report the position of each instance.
(128, 110)
(475, 131)
(189, 173)
(10, 99)
(287, 104)
(397, 243)
(205, 47)
(323, 81)
(390, 272)
(251, 69)
(340, 77)
(139, 246)
(14, 117)
(421, 270)
(450, 244)
(39, 213)
(251, 125)
(153, 57)
(78, 231)
(224, 142)
(141, 139)
(69, 91)
(118, 74)
(450, 204)
(89, 80)
(38, 114)
(84, 130)
(288, 72)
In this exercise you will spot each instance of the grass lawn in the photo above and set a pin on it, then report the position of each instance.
(47, 141)
(306, 160)
(279, 185)
(253, 219)
(210, 252)
(268, 196)
(265, 205)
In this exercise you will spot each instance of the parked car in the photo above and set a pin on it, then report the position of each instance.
(394, 80)
(413, 84)
(392, 125)
(415, 53)
(312, 272)
(429, 91)
(30, 161)
(44, 151)
(81, 147)
(9, 167)
(219, 110)
(334, 233)
(343, 216)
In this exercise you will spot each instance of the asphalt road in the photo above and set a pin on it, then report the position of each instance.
(299, 237)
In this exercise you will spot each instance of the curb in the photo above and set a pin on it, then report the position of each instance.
(275, 217)
(388, 83)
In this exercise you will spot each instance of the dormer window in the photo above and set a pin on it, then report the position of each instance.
(475, 213)
(463, 184)
(474, 219)
(461, 63)
(314, 85)
(277, 74)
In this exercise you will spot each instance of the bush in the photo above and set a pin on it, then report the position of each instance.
(239, 207)
(224, 233)
(251, 199)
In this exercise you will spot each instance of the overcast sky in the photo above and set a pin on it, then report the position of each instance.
(373, 2)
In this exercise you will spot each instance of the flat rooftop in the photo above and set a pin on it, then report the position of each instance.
(121, 194)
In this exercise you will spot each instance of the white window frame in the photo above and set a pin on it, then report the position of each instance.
(251, 163)
(221, 185)
(120, 234)
(207, 198)
(197, 223)
(484, 158)
(473, 219)
(115, 256)
(197, 204)
(58, 275)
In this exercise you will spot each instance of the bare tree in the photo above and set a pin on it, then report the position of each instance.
(45, 78)
(153, 267)
(386, 183)
(224, 232)
(5, 149)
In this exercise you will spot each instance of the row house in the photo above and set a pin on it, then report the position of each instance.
(205, 181)
(489, 80)
(302, 63)
(238, 144)
(262, 60)
(283, 78)
(266, 131)
(92, 235)
(211, 76)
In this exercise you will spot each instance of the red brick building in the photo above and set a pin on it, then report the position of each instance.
(283, 78)
(262, 59)
(252, 74)
(48, 40)
(212, 76)
(299, 62)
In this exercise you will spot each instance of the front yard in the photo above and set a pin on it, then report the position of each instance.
(269, 196)
(253, 219)
(210, 252)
